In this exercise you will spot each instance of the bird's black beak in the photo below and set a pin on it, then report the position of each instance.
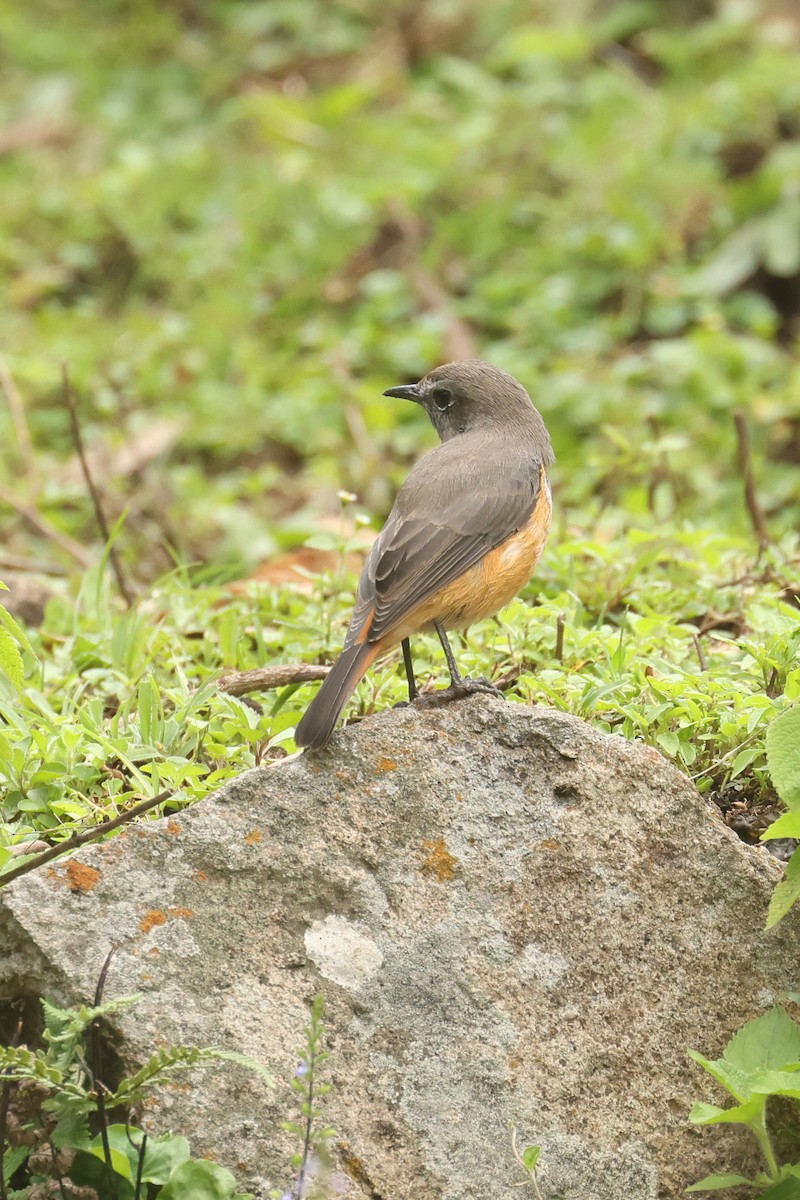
(406, 391)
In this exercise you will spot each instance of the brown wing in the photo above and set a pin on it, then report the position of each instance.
(446, 517)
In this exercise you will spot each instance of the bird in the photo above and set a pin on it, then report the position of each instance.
(464, 535)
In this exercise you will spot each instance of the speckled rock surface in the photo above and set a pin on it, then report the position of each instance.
(510, 915)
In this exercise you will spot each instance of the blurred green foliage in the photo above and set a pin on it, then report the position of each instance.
(239, 222)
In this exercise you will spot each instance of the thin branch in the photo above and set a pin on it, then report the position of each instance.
(236, 683)
(701, 658)
(750, 495)
(10, 562)
(45, 528)
(80, 839)
(560, 622)
(98, 1085)
(69, 400)
(20, 423)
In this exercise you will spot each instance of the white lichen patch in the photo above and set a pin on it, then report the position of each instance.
(342, 953)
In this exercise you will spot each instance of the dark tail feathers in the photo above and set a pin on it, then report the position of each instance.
(321, 716)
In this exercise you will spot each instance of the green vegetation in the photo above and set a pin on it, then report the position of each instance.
(311, 1164)
(52, 1101)
(761, 1060)
(238, 222)
(783, 759)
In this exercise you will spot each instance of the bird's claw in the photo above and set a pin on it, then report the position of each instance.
(458, 690)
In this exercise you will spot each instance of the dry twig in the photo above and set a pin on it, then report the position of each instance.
(80, 839)
(69, 400)
(45, 528)
(10, 562)
(236, 683)
(746, 467)
(701, 658)
(20, 423)
(560, 623)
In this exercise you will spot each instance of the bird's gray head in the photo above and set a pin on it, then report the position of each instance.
(461, 397)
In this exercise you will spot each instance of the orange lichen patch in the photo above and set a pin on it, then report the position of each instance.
(438, 860)
(386, 764)
(549, 844)
(200, 876)
(173, 826)
(185, 913)
(152, 918)
(81, 878)
(253, 837)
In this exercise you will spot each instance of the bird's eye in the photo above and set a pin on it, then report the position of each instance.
(442, 397)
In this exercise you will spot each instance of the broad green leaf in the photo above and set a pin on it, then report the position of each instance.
(783, 755)
(787, 891)
(786, 826)
(714, 1183)
(738, 1114)
(778, 1083)
(120, 1162)
(162, 1156)
(732, 1078)
(199, 1179)
(771, 1041)
(787, 1189)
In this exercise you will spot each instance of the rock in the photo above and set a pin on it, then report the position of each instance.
(511, 916)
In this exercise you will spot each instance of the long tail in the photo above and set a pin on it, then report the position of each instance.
(323, 712)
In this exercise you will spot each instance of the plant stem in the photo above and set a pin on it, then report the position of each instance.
(297, 1190)
(99, 1086)
(760, 1130)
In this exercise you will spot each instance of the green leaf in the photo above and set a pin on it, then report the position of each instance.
(15, 629)
(768, 1042)
(11, 659)
(120, 1160)
(738, 1114)
(163, 1156)
(786, 826)
(787, 891)
(714, 1183)
(783, 756)
(199, 1179)
(778, 1083)
(530, 1157)
(787, 1189)
(730, 1076)
(13, 1159)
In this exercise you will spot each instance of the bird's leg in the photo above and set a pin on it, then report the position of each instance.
(460, 685)
(413, 690)
(456, 677)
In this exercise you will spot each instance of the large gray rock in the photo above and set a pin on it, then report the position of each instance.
(511, 915)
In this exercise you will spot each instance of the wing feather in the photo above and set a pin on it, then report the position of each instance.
(446, 517)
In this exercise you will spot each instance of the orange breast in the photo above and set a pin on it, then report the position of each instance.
(491, 583)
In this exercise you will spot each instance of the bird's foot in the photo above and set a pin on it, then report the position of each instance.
(457, 691)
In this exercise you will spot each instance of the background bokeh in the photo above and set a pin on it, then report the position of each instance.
(237, 222)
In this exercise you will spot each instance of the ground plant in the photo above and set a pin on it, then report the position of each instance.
(760, 1062)
(56, 1135)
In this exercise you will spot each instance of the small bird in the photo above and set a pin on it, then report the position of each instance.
(466, 531)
